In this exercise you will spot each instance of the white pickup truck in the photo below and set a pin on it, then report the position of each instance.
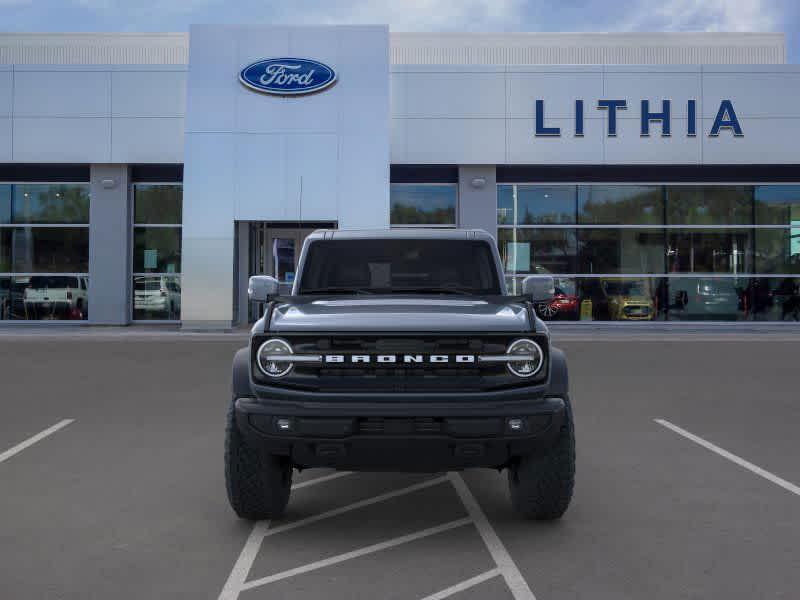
(56, 297)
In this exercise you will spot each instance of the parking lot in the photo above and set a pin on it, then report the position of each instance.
(111, 483)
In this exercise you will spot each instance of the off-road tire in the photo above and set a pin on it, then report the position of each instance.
(541, 485)
(258, 484)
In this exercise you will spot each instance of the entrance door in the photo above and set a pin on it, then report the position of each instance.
(275, 250)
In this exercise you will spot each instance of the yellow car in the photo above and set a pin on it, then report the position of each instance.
(628, 299)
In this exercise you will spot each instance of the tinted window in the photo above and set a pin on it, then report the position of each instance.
(620, 204)
(621, 251)
(423, 204)
(777, 205)
(538, 250)
(157, 249)
(709, 205)
(158, 204)
(44, 249)
(535, 204)
(45, 203)
(405, 265)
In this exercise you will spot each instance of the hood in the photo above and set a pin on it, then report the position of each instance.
(412, 313)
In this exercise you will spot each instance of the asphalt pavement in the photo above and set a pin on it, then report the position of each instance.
(111, 483)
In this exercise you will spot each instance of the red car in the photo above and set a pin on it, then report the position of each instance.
(563, 305)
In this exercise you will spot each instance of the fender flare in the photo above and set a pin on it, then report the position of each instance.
(241, 387)
(559, 373)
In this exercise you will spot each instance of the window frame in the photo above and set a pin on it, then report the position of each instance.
(84, 277)
(131, 243)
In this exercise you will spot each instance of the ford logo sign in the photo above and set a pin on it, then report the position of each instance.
(287, 76)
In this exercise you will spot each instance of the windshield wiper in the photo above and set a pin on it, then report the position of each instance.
(337, 289)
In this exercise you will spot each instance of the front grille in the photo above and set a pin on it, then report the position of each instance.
(399, 376)
(399, 426)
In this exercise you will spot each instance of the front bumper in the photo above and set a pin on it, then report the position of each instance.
(401, 436)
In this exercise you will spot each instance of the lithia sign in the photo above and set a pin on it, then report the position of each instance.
(726, 119)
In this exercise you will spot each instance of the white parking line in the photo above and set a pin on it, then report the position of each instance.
(33, 439)
(514, 580)
(731, 457)
(355, 505)
(236, 580)
(464, 585)
(417, 535)
(322, 479)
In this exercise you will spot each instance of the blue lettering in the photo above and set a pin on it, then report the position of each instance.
(578, 118)
(541, 130)
(691, 118)
(663, 116)
(612, 106)
(726, 119)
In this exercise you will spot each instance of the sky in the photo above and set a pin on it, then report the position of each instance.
(414, 15)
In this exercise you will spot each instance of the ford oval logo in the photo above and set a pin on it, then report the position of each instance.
(287, 76)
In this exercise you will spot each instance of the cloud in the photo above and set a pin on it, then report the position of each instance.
(415, 15)
(705, 15)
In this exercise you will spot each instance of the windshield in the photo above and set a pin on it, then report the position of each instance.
(399, 266)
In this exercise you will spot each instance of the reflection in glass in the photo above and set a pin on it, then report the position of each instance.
(775, 299)
(621, 251)
(621, 299)
(423, 204)
(709, 205)
(710, 251)
(157, 249)
(45, 204)
(283, 259)
(44, 249)
(536, 204)
(5, 203)
(538, 250)
(777, 205)
(778, 250)
(698, 298)
(156, 297)
(44, 297)
(158, 204)
(620, 204)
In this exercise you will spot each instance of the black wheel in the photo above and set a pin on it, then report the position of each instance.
(258, 483)
(541, 485)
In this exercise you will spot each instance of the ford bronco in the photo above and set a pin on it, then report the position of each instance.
(400, 350)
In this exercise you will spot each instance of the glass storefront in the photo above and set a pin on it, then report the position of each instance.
(415, 204)
(44, 251)
(656, 252)
(156, 285)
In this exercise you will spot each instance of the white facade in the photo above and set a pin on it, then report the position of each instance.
(417, 99)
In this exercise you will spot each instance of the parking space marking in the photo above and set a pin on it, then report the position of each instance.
(464, 585)
(33, 439)
(403, 539)
(788, 486)
(508, 568)
(322, 479)
(241, 569)
(356, 505)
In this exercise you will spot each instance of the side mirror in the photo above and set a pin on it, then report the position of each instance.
(540, 288)
(261, 287)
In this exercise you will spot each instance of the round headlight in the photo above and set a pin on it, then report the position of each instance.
(268, 358)
(529, 366)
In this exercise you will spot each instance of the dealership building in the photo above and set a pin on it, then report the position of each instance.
(145, 177)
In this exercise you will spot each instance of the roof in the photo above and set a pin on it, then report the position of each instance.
(525, 48)
(404, 233)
